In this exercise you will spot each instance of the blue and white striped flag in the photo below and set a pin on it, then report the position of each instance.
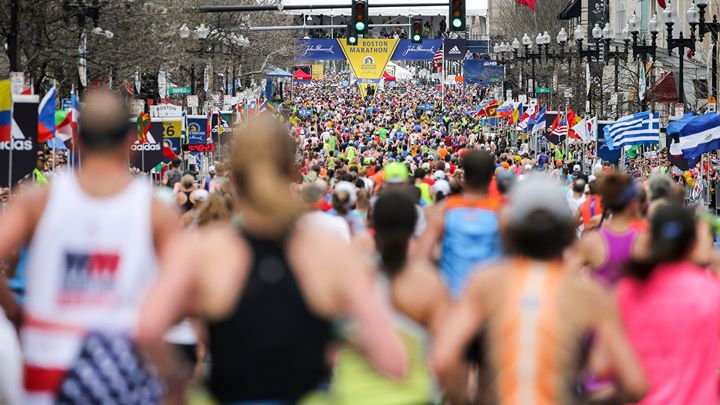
(540, 121)
(700, 135)
(638, 129)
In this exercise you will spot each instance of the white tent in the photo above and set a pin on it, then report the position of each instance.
(473, 8)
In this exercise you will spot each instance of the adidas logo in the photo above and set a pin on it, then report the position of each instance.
(454, 51)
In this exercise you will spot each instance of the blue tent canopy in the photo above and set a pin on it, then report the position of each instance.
(278, 73)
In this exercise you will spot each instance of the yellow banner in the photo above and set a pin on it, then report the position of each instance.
(369, 57)
(318, 71)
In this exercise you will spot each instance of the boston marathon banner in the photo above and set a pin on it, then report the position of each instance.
(331, 49)
(369, 57)
(483, 72)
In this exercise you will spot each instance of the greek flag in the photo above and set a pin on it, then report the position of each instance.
(638, 129)
(700, 135)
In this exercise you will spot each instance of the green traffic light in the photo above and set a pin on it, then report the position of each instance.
(457, 23)
(353, 39)
(416, 38)
(360, 26)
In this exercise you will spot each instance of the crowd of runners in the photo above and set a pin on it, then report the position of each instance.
(357, 251)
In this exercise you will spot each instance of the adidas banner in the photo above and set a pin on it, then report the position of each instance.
(455, 49)
(148, 155)
(23, 141)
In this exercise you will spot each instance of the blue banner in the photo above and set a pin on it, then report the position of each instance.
(197, 127)
(319, 49)
(478, 46)
(602, 150)
(483, 72)
(305, 112)
(427, 106)
(406, 50)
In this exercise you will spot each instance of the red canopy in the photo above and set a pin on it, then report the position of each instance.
(300, 75)
(388, 77)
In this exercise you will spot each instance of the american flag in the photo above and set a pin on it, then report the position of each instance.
(438, 59)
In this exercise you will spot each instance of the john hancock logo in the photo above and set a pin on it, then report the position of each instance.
(89, 278)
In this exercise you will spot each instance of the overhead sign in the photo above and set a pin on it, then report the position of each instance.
(369, 57)
(319, 49)
(23, 141)
(179, 90)
(165, 110)
(455, 49)
(407, 50)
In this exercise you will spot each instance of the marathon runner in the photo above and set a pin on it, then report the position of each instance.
(93, 240)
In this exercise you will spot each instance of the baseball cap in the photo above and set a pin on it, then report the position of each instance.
(537, 192)
(577, 168)
(396, 173)
(439, 174)
(211, 169)
(349, 188)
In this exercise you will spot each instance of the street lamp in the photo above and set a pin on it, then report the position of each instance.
(713, 28)
(616, 55)
(532, 57)
(184, 32)
(589, 54)
(681, 42)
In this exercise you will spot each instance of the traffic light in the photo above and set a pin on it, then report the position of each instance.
(360, 15)
(457, 15)
(416, 31)
(351, 36)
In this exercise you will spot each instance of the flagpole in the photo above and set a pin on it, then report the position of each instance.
(442, 79)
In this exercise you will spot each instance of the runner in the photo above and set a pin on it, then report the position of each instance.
(535, 313)
(466, 225)
(270, 298)
(607, 249)
(671, 311)
(93, 236)
(416, 297)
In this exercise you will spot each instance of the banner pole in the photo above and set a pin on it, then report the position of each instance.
(10, 164)
(442, 78)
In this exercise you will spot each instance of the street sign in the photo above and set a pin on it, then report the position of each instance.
(17, 82)
(179, 90)
(712, 107)
(679, 109)
(543, 90)
(193, 101)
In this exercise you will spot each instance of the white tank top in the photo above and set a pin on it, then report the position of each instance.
(90, 263)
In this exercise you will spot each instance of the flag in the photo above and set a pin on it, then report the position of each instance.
(138, 85)
(143, 126)
(560, 126)
(168, 153)
(46, 116)
(642, 82)
(209, 126)
(63, 125)
(506, 109)
(252, 107)
(515, 116)
(539, 120)
(583, 130)
(572, 120)
(262, 105)
(527, 3)
(5, 110)
(529, 114)
(587, 79)
(75, 109)
(641, 128)
(438, 59)
(489, 110)
(700, 135)
(633, 152)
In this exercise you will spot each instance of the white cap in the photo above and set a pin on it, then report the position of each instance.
(439, 174)
(199, 195)
(211, 169)
(349, 188)
(537, 192)
(441, 186)
(577, 168)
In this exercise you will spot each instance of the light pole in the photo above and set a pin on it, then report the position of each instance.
(681, 43)
(616, 56)
(589, 54)
(532, 57)
(644, 50)
(713, 28)
(516, 48)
